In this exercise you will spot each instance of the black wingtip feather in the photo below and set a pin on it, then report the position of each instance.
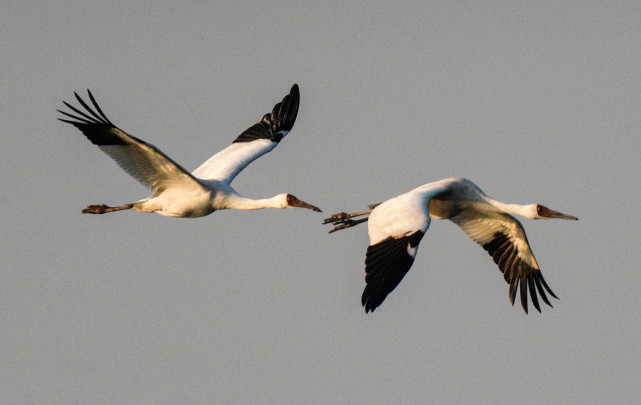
(77, 111)
(548, 288)
(523, 289)
(274, 124)
(67, 121)
(541, 290)
(97, 128)
(93, 101)
(88, 116)
(513, 292)
(533, 295)
(89, 109)
(517, 271)
(79, 120)
(386, 264)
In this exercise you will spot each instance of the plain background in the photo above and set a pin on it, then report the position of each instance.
(535, 102)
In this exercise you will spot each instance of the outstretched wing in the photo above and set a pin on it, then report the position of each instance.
(395, 229)
(503, 237)
(141, 160)
(386, 263)
(257, 140)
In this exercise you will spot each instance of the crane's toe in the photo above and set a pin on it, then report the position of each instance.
(96, 209)
(336, 217)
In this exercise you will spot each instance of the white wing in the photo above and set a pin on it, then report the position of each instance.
(395, 229)
(398, 217)
(257, 140)
(141, 160)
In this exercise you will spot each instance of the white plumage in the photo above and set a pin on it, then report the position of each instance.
(396, 227)
(176, 192)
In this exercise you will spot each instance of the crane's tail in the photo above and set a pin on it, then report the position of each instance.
(103, 208)
(343, 220)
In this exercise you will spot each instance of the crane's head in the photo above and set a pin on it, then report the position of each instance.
(544, 212)
(293, 202)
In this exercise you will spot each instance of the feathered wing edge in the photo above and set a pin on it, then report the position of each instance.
(141, 160)
(503, 237)
(275, 125)
(518, 272)
(82, 118)
(254, 142)
(386, 263)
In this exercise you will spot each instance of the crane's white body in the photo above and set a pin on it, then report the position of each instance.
(176, 192)
(396, 227)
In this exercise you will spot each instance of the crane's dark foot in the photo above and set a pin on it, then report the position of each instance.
(336, 217)
(96, 209)
(103, 208)
(347, 223)
(342, 220)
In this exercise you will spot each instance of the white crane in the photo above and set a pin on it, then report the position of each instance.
(176, 192)
(396, 227)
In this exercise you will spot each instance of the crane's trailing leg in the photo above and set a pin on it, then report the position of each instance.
(103, 208)
(347, 223)
(342, 220)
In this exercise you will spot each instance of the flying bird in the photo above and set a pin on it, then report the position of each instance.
(176, 192)
(396, 227)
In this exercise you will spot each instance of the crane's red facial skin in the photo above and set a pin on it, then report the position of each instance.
(296, 203)
(545, 212)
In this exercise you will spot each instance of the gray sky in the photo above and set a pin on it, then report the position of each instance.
(533, 102)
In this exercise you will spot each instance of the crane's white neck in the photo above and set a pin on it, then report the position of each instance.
(526, 211)
(242, 203)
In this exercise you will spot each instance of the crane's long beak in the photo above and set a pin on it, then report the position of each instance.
(554, 214)
(302, 204)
